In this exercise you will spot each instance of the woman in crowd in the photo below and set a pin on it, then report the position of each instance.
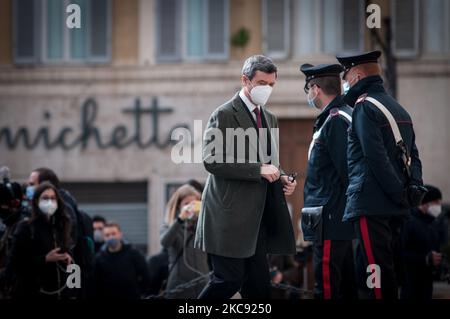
(177, 235)
(41, 247)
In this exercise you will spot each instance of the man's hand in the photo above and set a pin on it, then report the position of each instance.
(288, 186)
(270, 172)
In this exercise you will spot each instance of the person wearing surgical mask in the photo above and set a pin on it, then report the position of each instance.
(43, 245)
(98, 223)
(421, 242)
(120, 270)
(243, 214)
(326, 185)
(377, 201)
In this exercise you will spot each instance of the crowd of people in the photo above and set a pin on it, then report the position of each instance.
(45, 231)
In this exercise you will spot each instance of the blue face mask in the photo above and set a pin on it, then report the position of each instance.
(112, 242)
(311, 102)
(345, 87)
(30, 192)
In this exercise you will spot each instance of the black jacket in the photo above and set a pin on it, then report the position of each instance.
(72, 211)
(121, 275)
(178, 239)
(376, 179)
(83, 249)
(6, 239)
(158, 268)
(31, 243)
(419, 237)
(326, 180)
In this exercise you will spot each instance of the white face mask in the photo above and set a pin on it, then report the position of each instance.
(98, 236)
(311, 101)
(260, 94)
(48, 207)
(346, 85)
(435, 210)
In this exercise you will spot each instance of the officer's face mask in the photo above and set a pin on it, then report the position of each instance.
(260, 94)
(346, 85)
(311, 99)
(434, 210)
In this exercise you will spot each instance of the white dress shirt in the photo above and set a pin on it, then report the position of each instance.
(249, 104)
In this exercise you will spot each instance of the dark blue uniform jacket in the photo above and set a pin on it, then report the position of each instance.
(376, 179)
(326, 180)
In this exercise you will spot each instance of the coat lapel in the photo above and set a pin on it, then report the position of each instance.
(240, 114)
(243, 119)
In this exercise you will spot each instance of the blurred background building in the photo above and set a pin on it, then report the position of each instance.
(97, 104)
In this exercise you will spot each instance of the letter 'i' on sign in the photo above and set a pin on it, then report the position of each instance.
(74, 279)
(74, 19)
(374, 18)
(374, 279)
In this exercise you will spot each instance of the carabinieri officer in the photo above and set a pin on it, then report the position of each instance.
(385, 176)
(326, 184)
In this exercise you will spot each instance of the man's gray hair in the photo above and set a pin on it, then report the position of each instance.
(258, 63)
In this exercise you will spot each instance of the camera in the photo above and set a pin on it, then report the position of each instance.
(10, 199)
(194, 208)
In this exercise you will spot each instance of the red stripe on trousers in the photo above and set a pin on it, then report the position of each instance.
(326, 269)
(368, 248)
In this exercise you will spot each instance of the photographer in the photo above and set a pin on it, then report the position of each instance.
(420, 247)
(177, 235)
(10, 216)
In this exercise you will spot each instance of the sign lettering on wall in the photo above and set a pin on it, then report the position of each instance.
(88, 131)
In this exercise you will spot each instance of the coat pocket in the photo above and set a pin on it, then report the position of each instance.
(230, 190)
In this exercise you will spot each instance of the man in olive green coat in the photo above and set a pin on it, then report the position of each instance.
(244, 215)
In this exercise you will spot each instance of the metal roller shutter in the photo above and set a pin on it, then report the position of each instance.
(124, 203)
